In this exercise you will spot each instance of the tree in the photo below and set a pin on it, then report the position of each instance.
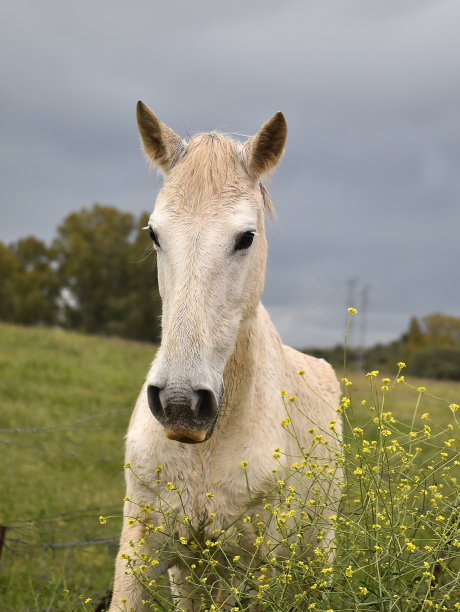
(10, 271)
(108, 282)
(28, 288)
(416, 339)
(442, 330)
(37, 285)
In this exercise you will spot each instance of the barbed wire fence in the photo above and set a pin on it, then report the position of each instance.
(39, 534)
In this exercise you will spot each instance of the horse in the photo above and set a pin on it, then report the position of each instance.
(209, 416)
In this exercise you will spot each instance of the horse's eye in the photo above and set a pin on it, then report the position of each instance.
(154, 237)
(244, 241)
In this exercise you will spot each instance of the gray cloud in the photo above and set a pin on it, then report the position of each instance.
(368, 186)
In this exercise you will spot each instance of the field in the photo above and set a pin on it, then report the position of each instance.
(65, 405)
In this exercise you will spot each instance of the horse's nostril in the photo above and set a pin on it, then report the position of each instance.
(206, 405)
(153, 398)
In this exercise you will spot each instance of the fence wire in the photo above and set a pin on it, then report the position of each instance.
(47, 533)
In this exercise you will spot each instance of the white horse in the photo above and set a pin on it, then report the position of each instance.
(208, 417)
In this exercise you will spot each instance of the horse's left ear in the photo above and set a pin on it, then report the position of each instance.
(265, 149)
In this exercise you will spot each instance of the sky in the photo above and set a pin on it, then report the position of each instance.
(368, 192)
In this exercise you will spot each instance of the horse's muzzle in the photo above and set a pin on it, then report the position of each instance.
(187, 415)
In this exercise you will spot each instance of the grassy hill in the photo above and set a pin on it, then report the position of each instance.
(65, 403)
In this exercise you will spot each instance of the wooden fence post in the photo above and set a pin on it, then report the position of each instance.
(2, 537)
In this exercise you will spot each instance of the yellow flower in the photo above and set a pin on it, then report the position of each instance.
(127, 465)
(292, 398)
(372, 374)
(410, 546)
(301, 372)
(236, 558)
(209, 495)
(363, 591)
(88, 599)
(286, 422)
(421, 389)
(454, 407)
(401, 365)
(283, 392)
(170, 486)
(349, 572)
(183, 540)
(102, 520)
(244, 464)
(352, 311)
(425, 415)
(400, 379)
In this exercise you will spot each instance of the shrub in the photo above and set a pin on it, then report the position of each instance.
(441, 363)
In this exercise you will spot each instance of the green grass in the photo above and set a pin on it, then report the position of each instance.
(57, 479)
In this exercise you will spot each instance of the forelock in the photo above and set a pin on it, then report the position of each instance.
(210, 171)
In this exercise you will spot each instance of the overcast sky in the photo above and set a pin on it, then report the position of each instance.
(369, 187)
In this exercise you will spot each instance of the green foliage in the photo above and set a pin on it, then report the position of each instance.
(442, 330)
(29, 288)
(415, 339)
(440, 363)
(98, 277)
(433, 347)
(9, 273)
(110, 278)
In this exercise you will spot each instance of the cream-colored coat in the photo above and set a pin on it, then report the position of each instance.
(214, 330)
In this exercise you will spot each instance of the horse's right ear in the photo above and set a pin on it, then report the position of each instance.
(162, 146)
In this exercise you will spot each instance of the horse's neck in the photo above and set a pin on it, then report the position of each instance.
(257, 336)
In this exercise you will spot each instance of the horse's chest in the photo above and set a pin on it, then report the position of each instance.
(212, 498)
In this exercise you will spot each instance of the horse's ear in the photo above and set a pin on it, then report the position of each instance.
(162, 146)
(265, 149)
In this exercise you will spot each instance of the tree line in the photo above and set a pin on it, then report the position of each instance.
(96, 276)
(430, 347)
